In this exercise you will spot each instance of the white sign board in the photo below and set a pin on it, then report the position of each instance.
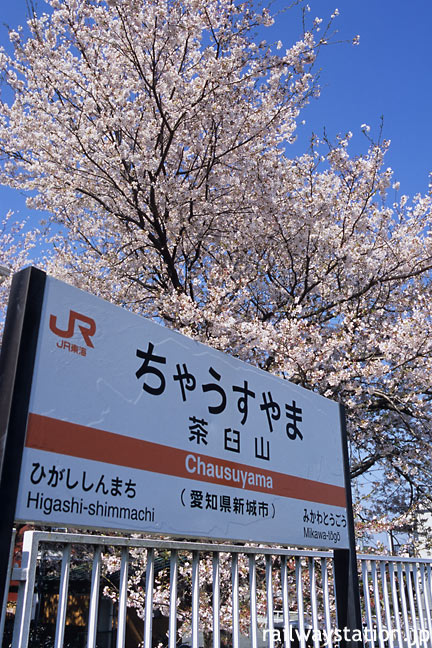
(133, 426)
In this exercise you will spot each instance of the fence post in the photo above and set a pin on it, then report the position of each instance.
(26, 594)
(347, 587)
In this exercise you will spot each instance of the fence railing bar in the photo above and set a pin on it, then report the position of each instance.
(427, 607)
(285, 603)
(377, 602)
(172, 622)
(428, 587)
(269, 598)
(235, 601)
(25, 591)
(428, 568)
(386, 558)
(396, 610)
(367, 601)
(409, 581)
(403, 599)
(326, 601)
(386, 603)
(94, 598)
(334, 590)
(63, 538)
(195, 599)
(216, 600)
(300, 603)
(63, 597)
(253, 601)
(314, 606)
(122, 602)
(148, 605)
(57, 537)
(419, 598)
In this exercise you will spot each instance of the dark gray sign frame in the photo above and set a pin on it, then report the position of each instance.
(17, 359)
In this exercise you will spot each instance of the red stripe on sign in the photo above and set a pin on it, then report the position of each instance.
(62, 437)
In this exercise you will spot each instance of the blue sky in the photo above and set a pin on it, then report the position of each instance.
(388, 75)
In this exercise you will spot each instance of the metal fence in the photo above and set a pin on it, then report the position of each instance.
(397, 601)
(203, 595)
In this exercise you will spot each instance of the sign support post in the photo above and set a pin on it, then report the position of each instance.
(345, 564)
(16, 372)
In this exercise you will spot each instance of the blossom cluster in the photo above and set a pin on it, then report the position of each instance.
(157, 135)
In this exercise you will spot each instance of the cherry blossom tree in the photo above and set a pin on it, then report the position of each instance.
(17, 242)
(157, 135)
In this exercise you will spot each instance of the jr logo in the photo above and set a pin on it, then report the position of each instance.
(88, 329)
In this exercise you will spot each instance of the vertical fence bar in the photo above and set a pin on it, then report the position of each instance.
(375, 585)
(409, 581)
(300, 604)
(94, 598)
(386, 603)
(314, 606)
(403, 601)
(419, 598)
(429, 582)
(393, 585)
(235, 601)
(428, 589)
(269, 597)
(122, 603)
(216, 600)
(367, 601)
(426, 596)
(25, 591)
(253, 601)
(326, 601)
(63, 597)
(148, 609)
(172, 623)
(195, 599)
(285, 603)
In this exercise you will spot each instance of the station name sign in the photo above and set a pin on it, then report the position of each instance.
(132, 426)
